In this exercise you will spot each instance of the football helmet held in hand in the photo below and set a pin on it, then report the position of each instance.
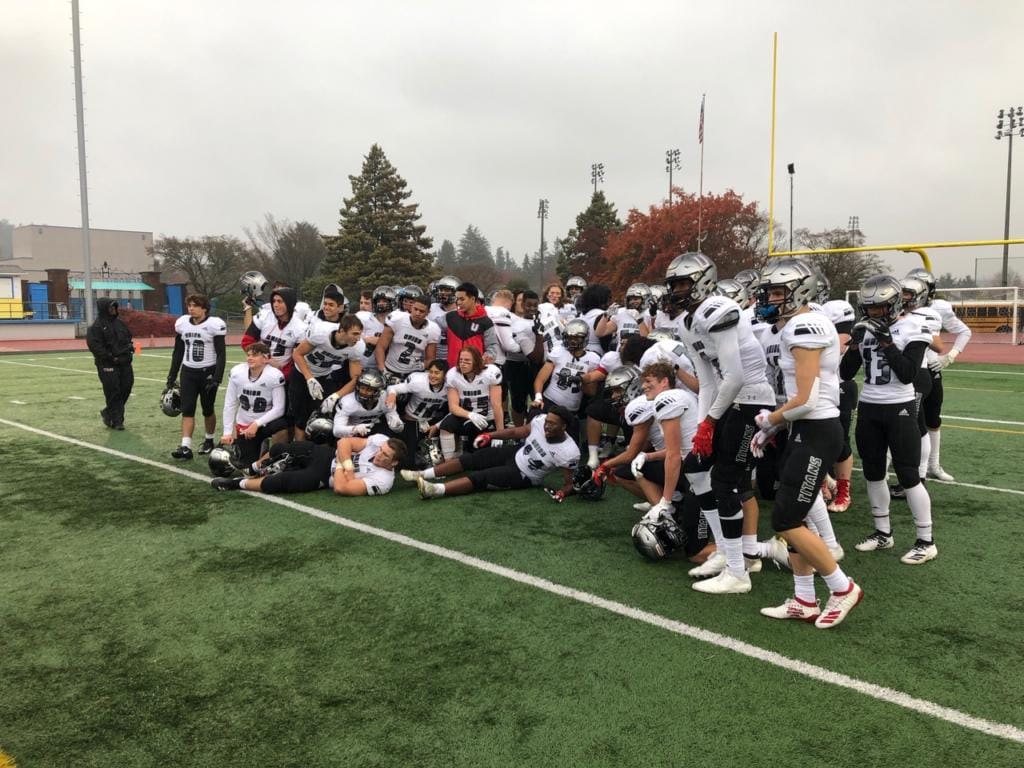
(170, 401)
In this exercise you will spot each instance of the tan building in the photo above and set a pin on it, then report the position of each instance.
(115, 252)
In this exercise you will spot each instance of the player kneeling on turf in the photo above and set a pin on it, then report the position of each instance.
(500, 464)
(254, 404)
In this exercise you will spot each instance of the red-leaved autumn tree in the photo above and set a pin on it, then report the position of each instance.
(735, 237)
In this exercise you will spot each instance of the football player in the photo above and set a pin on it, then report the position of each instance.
(443, 293)
(360, 412)
(569, 370)
(809, 361)
(499, 463)
(890, 346)
(933, 403)
(383, 301)
(474, 400)
(254, 404)
(521, 367)
(426, 406)
(279, 328)
(733, 387)
(408, 340)
(200, 355)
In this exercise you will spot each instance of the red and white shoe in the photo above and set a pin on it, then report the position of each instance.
(841, 500)
(839, 606)
(794, 608)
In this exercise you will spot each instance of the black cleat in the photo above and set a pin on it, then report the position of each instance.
(206, 447)
(226, 483)
(106, 419)
(181, 452)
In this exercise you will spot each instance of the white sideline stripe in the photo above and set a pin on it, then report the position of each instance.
(72, 370)
(984, 421)
(959, 485)
(812, 671)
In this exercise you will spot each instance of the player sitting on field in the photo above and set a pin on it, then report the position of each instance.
(254, 404)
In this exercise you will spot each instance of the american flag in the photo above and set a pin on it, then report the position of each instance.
(700, 128)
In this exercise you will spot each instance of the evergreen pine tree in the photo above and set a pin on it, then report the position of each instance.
(379, 240)
(446, 258)
(474, 248)
(580, 251)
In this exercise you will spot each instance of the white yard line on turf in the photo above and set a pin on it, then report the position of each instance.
(812, 671)
(947, 371)
(73, 370)
(983, 421)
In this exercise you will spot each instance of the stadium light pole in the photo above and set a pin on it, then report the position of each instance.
(1010, 121)
(671, 163)
(83, 184)
(792, 172)
(542, 214)
(854, 227)
(596, 174)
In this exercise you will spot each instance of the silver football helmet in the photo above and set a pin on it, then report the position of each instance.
(223, 461)
(383, 299)
(915, 293)
(883, 290)
(574, 286)
(662, 334)
(929, 279)
(699, 271)
(733, 289)
(320, 429)
(369, 385)
(575, 335)
(749, 278)
(170, 401)
(252, 284)
(637, 296)
(656, 540)
(622, 384)
(658, 294)
(796, 277)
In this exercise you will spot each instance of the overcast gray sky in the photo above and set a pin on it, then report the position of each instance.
(201, 116)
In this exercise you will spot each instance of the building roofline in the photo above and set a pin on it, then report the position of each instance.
(91, 229)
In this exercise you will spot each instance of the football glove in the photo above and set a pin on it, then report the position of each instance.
(601, 474)
(329, 404)
(395, 422)
(662, 509)
(482, 441)
(478, 420)
(538, 326)
(761, 440)
(316, 389)
(761, 420)
(636, 466)
(360, 430)
(704, 438)
(611, 311)
(556, 496)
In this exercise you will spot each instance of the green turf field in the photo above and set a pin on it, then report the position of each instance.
(150, 621)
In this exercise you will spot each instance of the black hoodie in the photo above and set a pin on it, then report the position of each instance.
(108, 338)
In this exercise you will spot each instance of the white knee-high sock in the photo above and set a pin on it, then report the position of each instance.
(933, 437)
(878, 498)
(818, 515)
(926, 451)
(920, 504)
(448, 445)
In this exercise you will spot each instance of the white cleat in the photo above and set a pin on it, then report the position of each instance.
(642, 506)
(876, 540)
(940, 474)
(921, 552)
(713, 566)
(725, 583)
(427, 490)
(752, 564)
(410, 475)
(794, 608)
(839, 606)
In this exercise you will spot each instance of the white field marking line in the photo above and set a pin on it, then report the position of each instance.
(959, 485)
(75, 397)
(946, 371)
(983, 421)
(812, 671)
(72, 370)
(18, 402)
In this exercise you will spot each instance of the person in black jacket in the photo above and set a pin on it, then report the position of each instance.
(110, 342)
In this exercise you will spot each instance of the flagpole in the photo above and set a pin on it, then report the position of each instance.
(700, 203)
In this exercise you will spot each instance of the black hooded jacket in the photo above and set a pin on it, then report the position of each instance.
(108, 338)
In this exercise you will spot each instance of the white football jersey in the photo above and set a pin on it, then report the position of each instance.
(610, 361)
(666, 351)
(662, 319)
(372, 326)
(502, 320)
(325, 356)
(931, 324)
(551, 330)
(522, 333)
(951, 323)
(281, 340)
(560, 389)
(198, 338)
(640, 410)
(378, 480)
(678, 404)
(249, 400)
(408, 347)
(769, 334)
(813, 330)
(591, 318)
(537, 457)
(425, 402)
(350, 413)
(880, 385)
(718, 320)
(475, 395)
(627, 321)
(436, 315)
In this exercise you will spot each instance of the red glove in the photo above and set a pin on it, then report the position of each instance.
(482, 441)
(601, 474)
(557, 496)
(704, 437)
